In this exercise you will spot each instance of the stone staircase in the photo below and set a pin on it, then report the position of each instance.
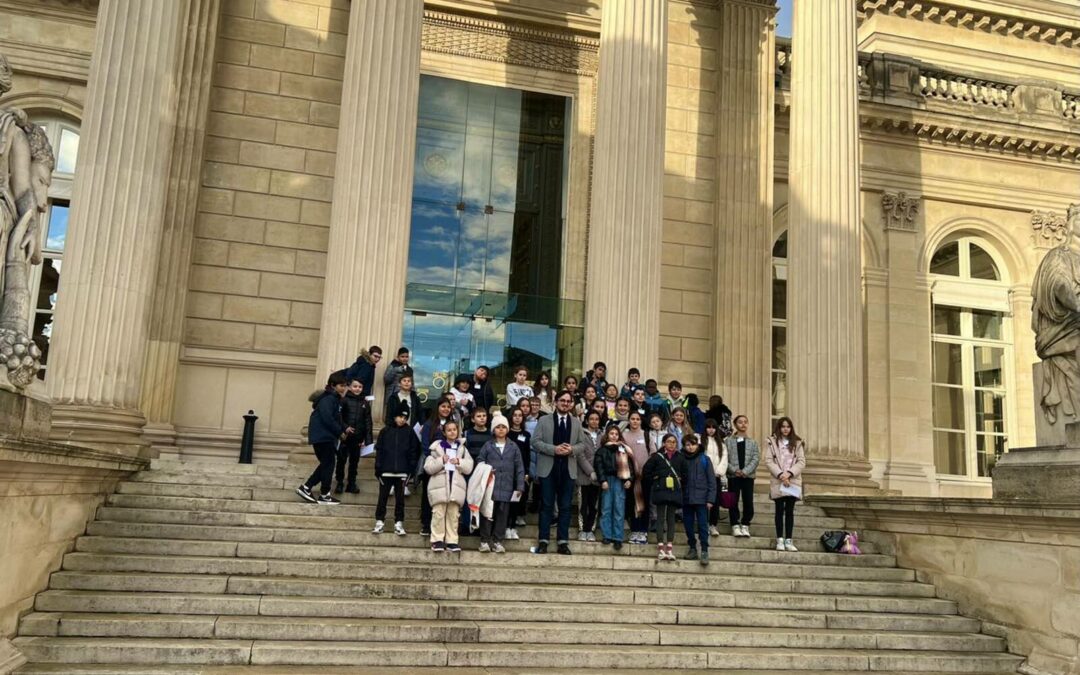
(207, 568)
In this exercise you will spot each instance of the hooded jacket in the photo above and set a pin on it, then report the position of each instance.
(356, 413)
(393, 374)
(698, 477)
(362, 369)
(447, 486)
(397, 450)
(657, 471)
(324, 425)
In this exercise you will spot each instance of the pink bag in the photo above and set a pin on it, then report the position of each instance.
(851, 544)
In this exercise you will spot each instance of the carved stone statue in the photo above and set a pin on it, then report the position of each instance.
(1055, 318)
(26, 165)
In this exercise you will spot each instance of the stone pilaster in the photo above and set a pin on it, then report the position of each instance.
(369, 225)
(196, 67)
(102, 319)
(742, 329)
(825, 327)
(621, 327)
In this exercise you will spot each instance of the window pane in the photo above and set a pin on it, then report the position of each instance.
(989, 412)
(50, 282)
(986, 325)
(988, 447)
(779, 348)
(946, 320)
(947, 369)
(58, 225)
(779, 249)
(949, 453)
(779, 292)
(779, 394)
(948, 407)
(982, 265)
(988, 368)
(69, 151)
(946, 260)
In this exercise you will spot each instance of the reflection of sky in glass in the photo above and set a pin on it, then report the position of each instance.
(58, 225)
(68, 151)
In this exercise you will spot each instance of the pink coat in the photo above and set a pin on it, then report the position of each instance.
(778, 461)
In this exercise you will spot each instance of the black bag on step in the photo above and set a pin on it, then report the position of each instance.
(833, 540)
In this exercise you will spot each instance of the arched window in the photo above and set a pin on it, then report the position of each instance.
(972, 354)
(779, 327)
(64, 137)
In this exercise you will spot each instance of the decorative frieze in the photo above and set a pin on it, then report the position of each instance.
(510, 43)
(958, 16)
(899, 211)
(1051, 229)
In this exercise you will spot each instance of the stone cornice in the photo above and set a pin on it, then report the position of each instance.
(73, 11)
(955, 15)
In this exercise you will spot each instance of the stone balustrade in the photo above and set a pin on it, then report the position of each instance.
(947, 86)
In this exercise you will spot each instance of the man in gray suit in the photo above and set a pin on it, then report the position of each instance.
(559, 440)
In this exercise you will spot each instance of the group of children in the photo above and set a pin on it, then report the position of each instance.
(645, 460)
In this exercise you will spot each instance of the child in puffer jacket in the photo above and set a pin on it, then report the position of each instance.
(698, 479)
(447, 463)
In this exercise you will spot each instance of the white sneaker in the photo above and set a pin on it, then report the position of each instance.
(519, 522)
(780, 545)
(592, 536)
(378, 529)
(790, 546)
(736, 531)
(745, 530)
(407, 493)
(583, 536)
(484, 548)
(498, 548)
(511, 535)
(399, 528)
(713, 532)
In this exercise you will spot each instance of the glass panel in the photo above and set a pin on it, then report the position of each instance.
(433, 243)
(989, 412)
(986, 325)
(779, 292)
(472, 250)
(50, 283)
(947, 367)
(946, 260)
(946, 320)
(58, 225)
(948, 407)
(779, 394)
(949, 453)
(981, 264)
(779, 249)
(989, 450)
(440, 158)
(68, 152)
(988, 367)
(436, 341)
(500, 235)
(779, 348)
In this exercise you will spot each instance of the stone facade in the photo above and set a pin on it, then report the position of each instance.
(950, 101)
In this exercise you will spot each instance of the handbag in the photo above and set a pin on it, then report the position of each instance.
(729, 499)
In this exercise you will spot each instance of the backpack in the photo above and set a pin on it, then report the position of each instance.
(833, 541)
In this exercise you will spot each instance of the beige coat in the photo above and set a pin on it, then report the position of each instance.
(439, 489)
(779, 462)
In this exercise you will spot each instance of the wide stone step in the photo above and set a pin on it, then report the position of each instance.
(358, 654)
(586, 555)
(114, 669)
(860, 612)
(740, 576)
(296, 507)
(469, 631)
(265, 558)
(329, 529)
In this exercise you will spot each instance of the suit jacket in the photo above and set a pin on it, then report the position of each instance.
(542, 442)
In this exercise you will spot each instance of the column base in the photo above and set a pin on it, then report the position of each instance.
(162, 440)
(835, 475)
(25, 415)
(110, 429)
(10, 657)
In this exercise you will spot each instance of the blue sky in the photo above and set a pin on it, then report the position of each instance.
(783, 19)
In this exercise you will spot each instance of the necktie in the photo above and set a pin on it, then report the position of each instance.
(562, 425)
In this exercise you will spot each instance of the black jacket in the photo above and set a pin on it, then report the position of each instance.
(474, 440)
(324, 425)
(397, 450)
(523, 439)
(416, 409)
(657, 470)
(362, 369)
(483, 394)
(604, 463)
(356, 413)
(697, 476)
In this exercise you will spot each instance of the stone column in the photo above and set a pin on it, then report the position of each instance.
(102, 318)
(744, 225)
(628, 189)
(369, 225)
(825, 327)
(196, 67)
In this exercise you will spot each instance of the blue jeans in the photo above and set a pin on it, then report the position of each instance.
(613, 510)
(557, 485)
(700, 514)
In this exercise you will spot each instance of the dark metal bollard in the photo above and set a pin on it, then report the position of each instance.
(247, 441)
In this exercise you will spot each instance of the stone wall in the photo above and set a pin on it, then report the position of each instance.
(1015, 566)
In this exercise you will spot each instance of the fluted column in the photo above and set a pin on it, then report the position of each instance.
(622, 325)
(196, 67)
(825, 327)
(742, 321)
(102, 317)
(369, 225)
